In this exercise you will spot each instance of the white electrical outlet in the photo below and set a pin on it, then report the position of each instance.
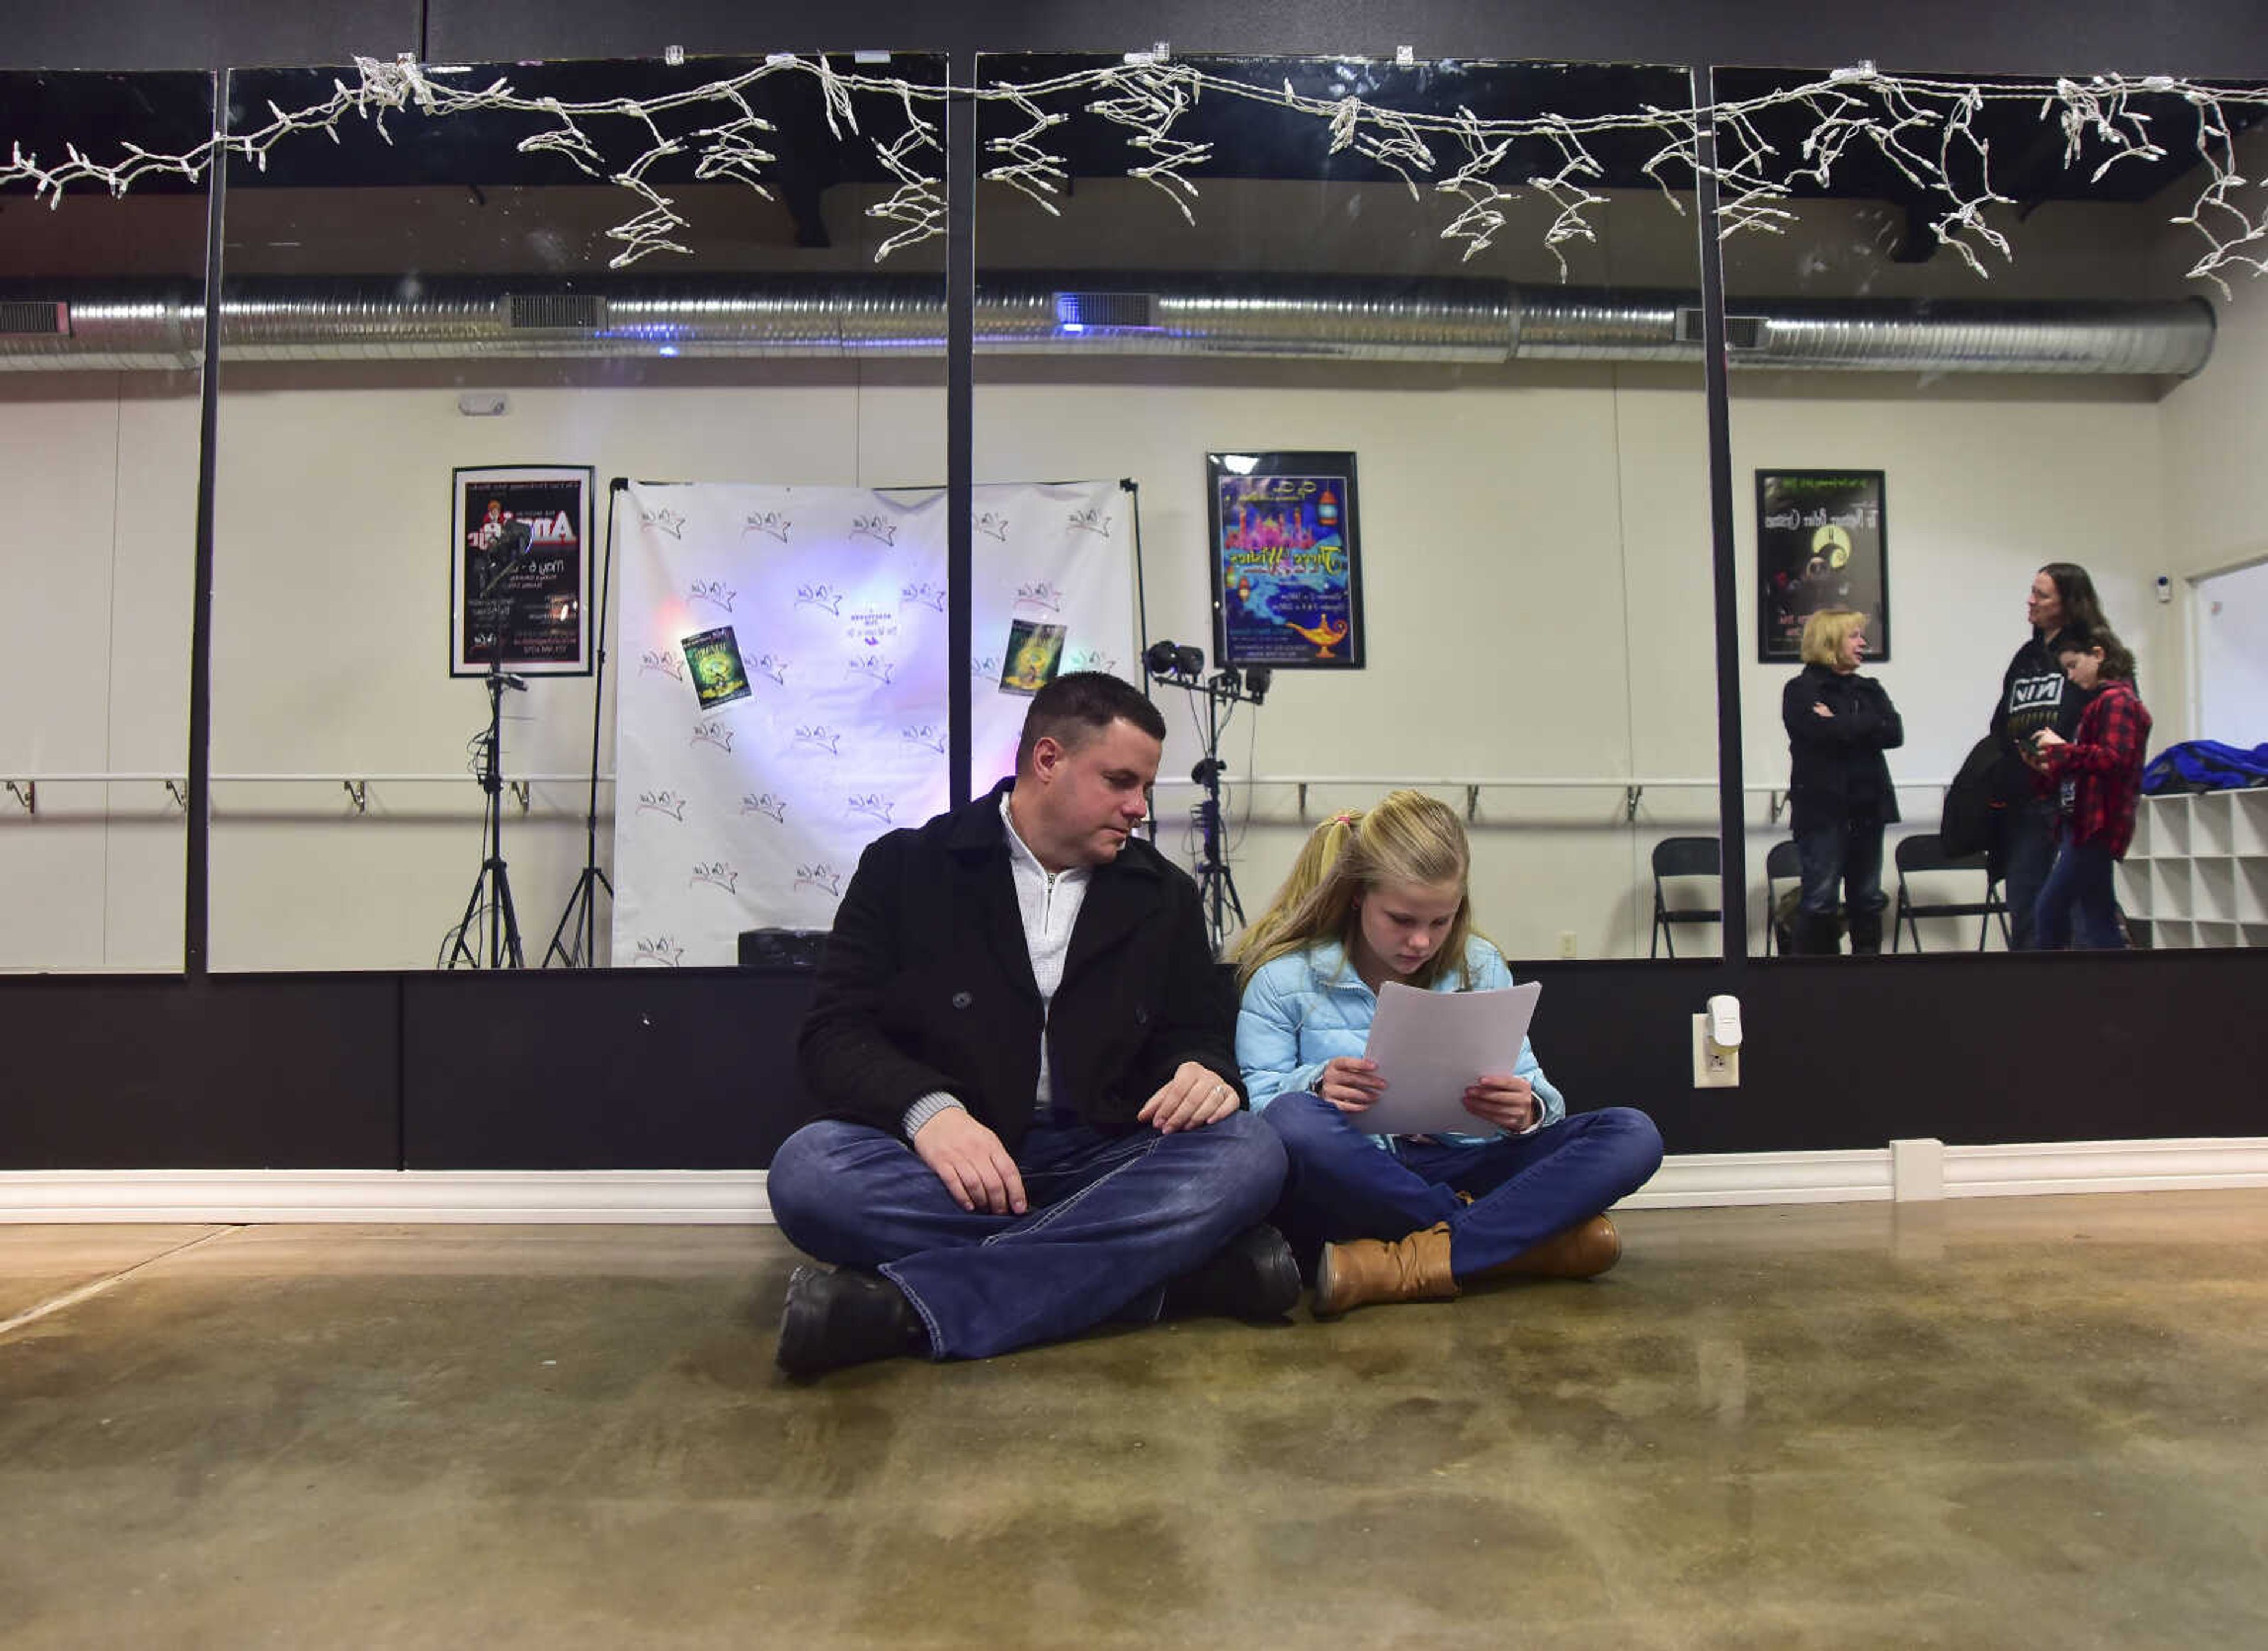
(1566, 942)
(1713, 1068)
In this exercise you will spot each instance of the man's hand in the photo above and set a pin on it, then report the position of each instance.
(971, 1161)
(1194, 1097)
(1508, 1102)
(1818, 709)
(1350, 1083)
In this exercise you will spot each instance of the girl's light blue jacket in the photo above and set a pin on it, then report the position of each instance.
(1307, 1007)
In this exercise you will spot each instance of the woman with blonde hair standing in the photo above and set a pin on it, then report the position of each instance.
(1839, 793)
(1383, 896)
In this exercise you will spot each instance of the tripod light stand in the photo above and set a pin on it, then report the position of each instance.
(492, 887)
(1183, 667)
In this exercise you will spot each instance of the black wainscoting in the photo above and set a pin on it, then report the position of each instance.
(1967, 1048)
(633, 1069)
(693, 1068)
(114, 1072)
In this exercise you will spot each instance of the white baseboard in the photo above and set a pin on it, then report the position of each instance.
(254, 1197)
(736, 1196)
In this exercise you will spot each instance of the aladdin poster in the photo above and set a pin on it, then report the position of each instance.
(1820, 543)
(1286, 560)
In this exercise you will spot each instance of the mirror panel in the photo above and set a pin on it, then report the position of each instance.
(1488, 311)
(538, 281)
(102, 262)
(1980, 337)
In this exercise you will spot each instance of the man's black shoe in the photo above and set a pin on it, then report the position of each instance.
(832, 1319)
(1253, 1276)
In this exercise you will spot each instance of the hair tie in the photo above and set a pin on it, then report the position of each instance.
(1346, 817)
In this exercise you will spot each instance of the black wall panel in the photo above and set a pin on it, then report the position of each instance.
(2220, 37)
(693, 1068)
(206, 34)
(661, 1069)
(294, 1072)
(1965, 1047)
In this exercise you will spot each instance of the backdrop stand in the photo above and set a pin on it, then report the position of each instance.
(581, 917)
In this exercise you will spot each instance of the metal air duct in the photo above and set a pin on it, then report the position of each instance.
(1350, 318)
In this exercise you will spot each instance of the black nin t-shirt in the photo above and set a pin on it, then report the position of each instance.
(2035, 694)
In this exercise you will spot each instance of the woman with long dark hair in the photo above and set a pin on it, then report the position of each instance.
(2036, 694)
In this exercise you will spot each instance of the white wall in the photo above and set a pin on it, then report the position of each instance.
(99, 471)
(330, 609)
(2212, 434)
(1537, 586)
(2233, 656)
(1982, 484)
(1538, 572)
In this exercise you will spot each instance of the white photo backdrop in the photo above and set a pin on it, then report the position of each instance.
(781, 694)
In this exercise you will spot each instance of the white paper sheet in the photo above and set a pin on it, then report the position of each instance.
(1431, 1047)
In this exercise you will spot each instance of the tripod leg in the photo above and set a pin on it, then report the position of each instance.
(572, 917)
(505, 943)
(463, 952)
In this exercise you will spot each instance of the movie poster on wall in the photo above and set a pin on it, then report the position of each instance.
(520, 571)
(1822, 542)
(1286, 569)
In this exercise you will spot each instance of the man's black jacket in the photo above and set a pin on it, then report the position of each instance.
(926, 984)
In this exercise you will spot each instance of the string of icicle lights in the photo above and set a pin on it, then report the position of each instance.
(1926, 128)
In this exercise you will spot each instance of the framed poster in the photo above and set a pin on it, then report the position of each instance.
(519, 571)
(1286, 560)
(1822, 542)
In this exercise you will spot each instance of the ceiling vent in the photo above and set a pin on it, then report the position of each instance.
(29, 318)
(555, 311)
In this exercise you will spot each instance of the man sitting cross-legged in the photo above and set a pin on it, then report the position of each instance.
(1022, 1057)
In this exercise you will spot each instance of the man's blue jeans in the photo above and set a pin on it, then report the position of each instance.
(1525, 1188)
(1110, 1219)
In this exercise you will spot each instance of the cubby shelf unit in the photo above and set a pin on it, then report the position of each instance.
(2198, 872)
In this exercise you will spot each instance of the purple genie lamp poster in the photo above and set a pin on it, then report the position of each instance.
(1287, 562)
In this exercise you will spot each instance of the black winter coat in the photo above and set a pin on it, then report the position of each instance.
(926, 984)
(1836, 771)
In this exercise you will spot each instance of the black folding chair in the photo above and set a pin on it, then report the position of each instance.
(1781, 863)
(1681, 857)
(1920, 855)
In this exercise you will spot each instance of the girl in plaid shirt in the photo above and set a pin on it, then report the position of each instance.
(2098, 775)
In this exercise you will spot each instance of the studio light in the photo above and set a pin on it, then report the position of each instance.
(1170, 662)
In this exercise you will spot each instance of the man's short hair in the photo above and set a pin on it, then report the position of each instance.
(1081, 704)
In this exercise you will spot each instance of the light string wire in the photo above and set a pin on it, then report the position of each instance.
(1924, 128)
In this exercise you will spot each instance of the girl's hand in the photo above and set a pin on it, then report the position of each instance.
(1818, 709)
(2047, 738)
(1350, 1083)
(1508, 1102)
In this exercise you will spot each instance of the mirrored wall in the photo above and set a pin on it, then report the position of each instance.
(461, 341)
(102, 259)
(1975, 344)
(1377, 385)
(1410, 404)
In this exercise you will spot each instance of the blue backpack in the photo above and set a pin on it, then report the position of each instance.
(2206, 765)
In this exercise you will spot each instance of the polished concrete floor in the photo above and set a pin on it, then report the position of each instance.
(2018, 1423)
